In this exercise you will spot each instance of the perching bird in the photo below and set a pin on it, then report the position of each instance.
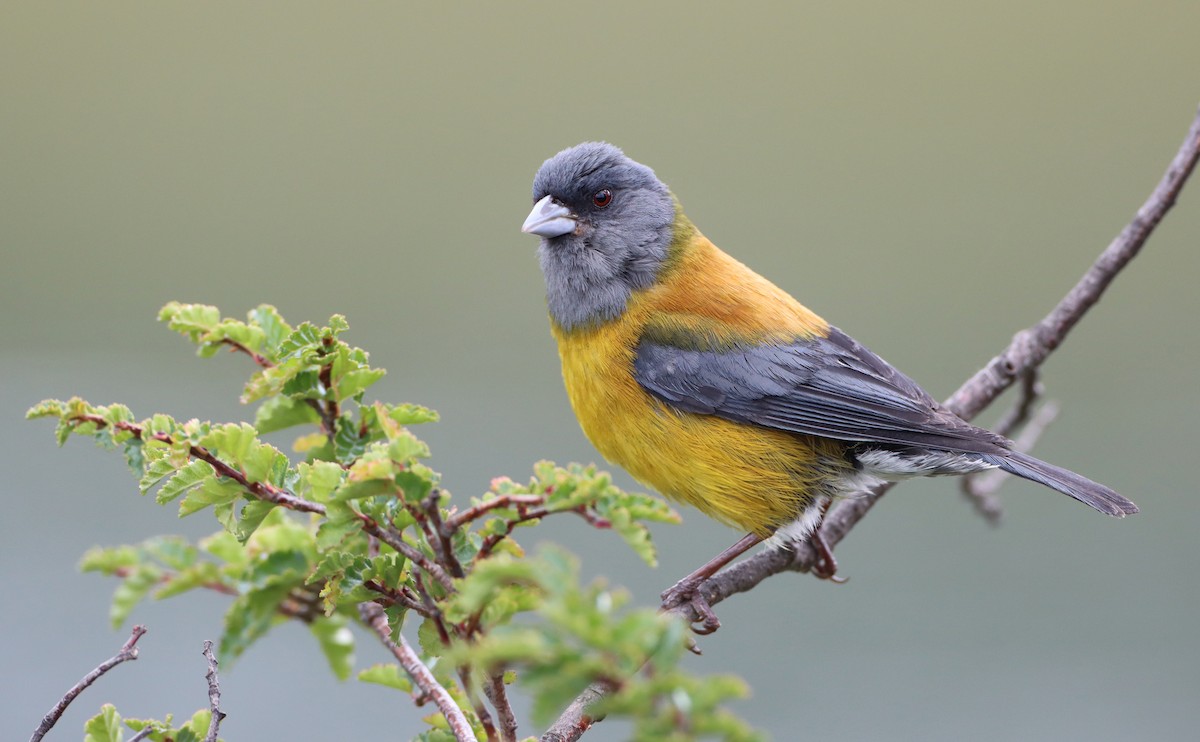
(710, 384)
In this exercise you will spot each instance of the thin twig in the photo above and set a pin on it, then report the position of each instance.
(485, 718)
(214, 693)
(373, 616)
(498, 695)
(1018, 415)
(1028, 349)
(146, 732)
(458, 520)
(129, 651)
(576, 720)
(981, 488)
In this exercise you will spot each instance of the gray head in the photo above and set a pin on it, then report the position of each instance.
(606, 226)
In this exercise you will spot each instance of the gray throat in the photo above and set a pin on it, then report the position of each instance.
(585, 287)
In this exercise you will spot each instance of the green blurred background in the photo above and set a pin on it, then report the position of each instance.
(929, 176)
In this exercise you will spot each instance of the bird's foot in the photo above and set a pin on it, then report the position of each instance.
(686, 592)
(826, 566)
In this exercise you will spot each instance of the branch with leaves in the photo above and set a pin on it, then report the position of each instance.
(359, 530)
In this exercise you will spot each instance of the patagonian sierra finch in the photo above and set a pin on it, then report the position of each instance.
(710, 384)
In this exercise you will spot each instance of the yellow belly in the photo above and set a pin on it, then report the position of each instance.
(754, 478)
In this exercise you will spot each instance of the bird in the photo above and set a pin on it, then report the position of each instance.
(713, 386)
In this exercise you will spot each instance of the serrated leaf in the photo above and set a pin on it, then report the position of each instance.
(273, 327)
(252, 514)
(173, 551)
(270, 381)
(249, 617)
(108, 561)
(351, 491)
(413, 414)
(225, 546)
(196, 727)
(210, 492)
(284, 535)
(429, 639)
(319, 479)
(340, 521)
(201, 574)
(278, 413)
(388, 675)
(193, 475)
(104, 726)
(192, 320)
(132, 590)
(337, 643)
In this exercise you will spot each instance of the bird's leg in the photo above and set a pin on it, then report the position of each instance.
(686, 590)
(826, 566)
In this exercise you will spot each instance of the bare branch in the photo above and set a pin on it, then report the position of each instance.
(1031, 392)
(458, 520)
(374, 617)
(129, 651)
(981, 488)
(214, 693)
(498, 695)
(1028, 349)
(575, 720)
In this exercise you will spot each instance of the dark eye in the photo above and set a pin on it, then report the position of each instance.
(602, 198)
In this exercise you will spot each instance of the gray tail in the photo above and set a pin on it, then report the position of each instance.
(1067, 482)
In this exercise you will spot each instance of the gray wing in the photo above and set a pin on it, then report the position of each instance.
(830, 387)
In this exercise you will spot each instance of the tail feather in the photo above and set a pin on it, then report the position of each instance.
(1067, 482)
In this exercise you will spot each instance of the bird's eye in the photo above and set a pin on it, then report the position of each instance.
(602, 198)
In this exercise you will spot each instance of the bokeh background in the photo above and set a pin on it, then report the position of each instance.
(929, 176)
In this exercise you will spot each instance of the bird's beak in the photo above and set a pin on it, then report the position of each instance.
(549, 219)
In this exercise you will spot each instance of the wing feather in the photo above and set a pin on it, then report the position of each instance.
(830, 386)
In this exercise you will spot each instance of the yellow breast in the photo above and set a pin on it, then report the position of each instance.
(744, 475)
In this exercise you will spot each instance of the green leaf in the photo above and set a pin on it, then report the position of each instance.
(389, 675)
(412, 414)
(406, 448)
(193, 475)
(159, 466)
(285, 534)
(104, 726)
(416, 487)
(319, 479)
(212, 491)
(249, 617)
(337, 643)
(196, 727)
(192, 320)
(173, 551)
(133, 456)
(252, 514)
(201, 574)
(340, 521)
(429, 639)
(108, 561)
(273, 327)
(278, 413)
(132, 590)
(270, 381)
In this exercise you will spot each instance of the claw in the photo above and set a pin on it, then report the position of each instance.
(826, 566)
(686, 592)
